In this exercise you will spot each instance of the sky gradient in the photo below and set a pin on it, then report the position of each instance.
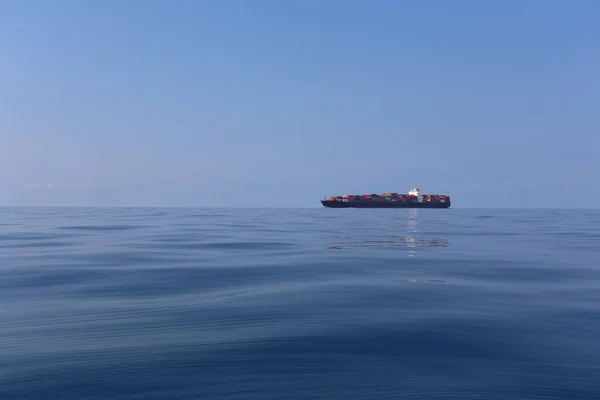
(280, 103)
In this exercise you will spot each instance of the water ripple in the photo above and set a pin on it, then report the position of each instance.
(150, 303)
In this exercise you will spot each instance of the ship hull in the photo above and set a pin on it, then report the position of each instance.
(382, 204)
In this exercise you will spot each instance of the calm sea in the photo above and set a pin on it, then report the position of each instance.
(134, 303)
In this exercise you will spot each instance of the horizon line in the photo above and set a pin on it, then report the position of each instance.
(286, 207)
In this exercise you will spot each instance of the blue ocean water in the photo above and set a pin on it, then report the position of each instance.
(134, 303)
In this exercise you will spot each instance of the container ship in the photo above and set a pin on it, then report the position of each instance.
(414, 199)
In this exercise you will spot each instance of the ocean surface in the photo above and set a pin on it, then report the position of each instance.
(142, 303)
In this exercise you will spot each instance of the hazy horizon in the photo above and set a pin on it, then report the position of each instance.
(265, 103)
(308, 207)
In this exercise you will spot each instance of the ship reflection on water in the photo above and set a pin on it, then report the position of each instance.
(345, 241)
(414, 238)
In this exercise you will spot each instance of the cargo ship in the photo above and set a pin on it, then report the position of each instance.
(413, 199)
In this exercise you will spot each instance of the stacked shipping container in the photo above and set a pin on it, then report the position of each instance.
(391, 197)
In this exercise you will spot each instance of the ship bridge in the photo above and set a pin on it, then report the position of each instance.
(417, 193)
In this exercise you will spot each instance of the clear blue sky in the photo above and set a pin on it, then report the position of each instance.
(280, 103)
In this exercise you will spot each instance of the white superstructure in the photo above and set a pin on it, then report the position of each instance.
(416, 192)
